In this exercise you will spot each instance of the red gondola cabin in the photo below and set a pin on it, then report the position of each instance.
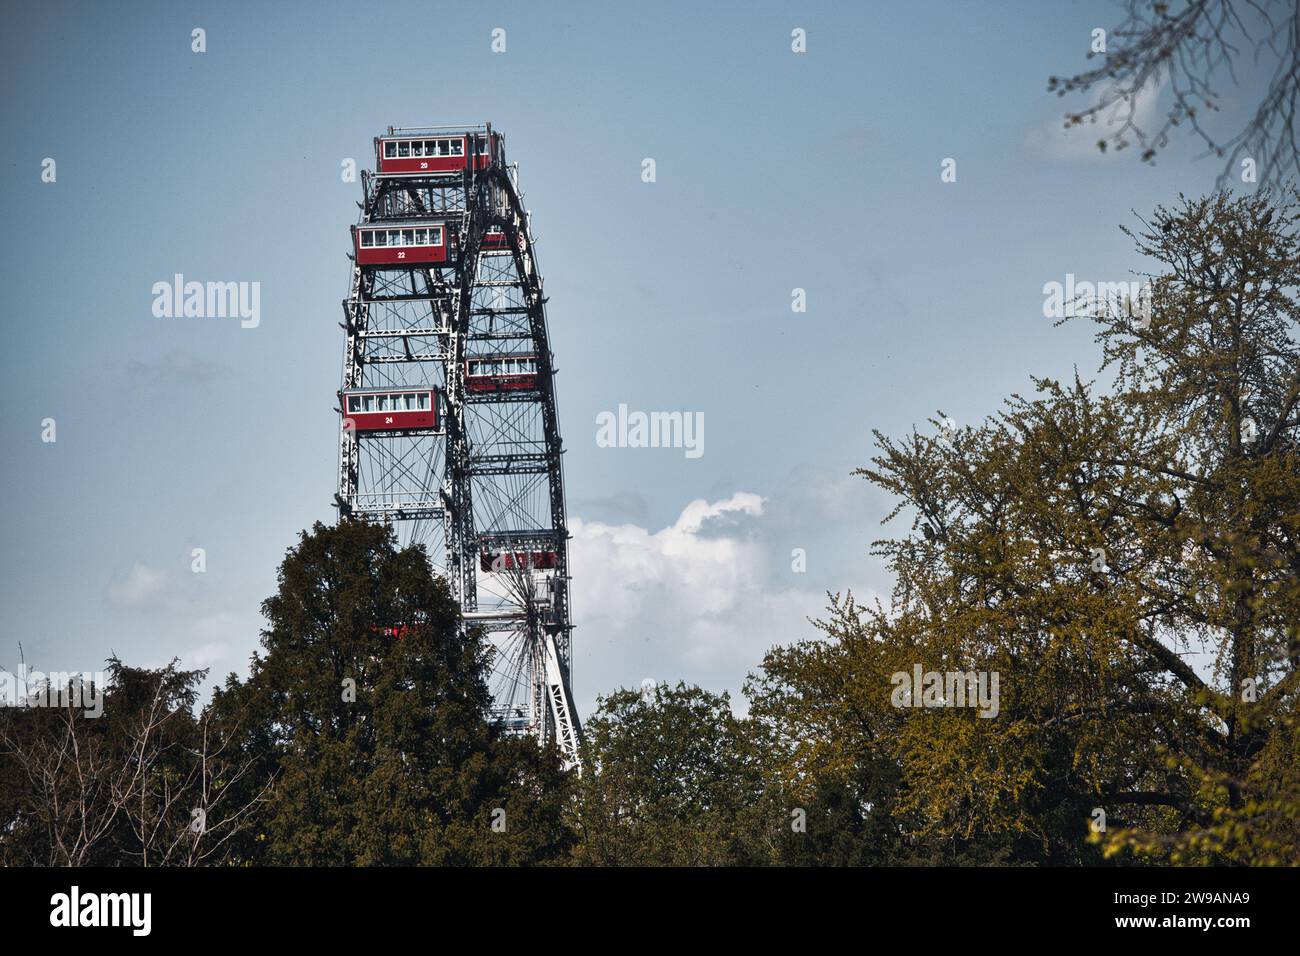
(431, 154)
(400, 244)
(523, 560)
(408, 409)
(495, 238)
(499, 373)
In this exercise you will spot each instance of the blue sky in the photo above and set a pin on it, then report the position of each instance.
(775, 171)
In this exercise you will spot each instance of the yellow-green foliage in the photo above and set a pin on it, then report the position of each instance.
(1155, 679)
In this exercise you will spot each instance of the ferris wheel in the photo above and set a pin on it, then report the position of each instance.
(447, 404)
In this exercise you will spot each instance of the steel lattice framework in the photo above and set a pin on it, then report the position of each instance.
(484, 490)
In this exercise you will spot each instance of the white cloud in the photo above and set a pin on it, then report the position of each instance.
(219, 641)
(700, 600)
(136, 588)
(206, 655)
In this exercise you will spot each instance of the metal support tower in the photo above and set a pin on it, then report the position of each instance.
(490, 481)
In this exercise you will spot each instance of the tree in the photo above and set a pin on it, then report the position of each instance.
(839, 751)
(145, 783)
(1126, 563)
(369, 704)
(1194, 45)
(672, 778)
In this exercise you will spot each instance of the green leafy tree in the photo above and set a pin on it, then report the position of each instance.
(1126, 561)
(369, 706)
(835, 749)
(672, 778)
